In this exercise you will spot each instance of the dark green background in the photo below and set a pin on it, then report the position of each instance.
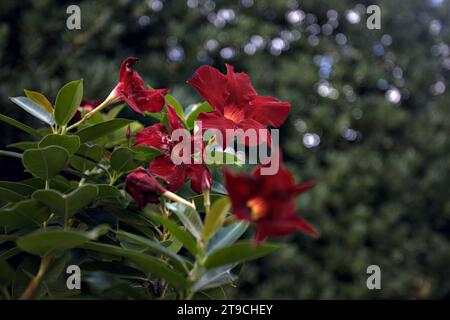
(383, 168)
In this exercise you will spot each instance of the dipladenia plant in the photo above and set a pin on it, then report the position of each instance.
(157, 212)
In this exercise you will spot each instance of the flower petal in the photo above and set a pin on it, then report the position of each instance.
(211, 85)
(132, 90)
(240, 87)
(172, 174)
(174, 119)
(200, 177)
(241, 188)
(143, 187)
(154, 136)
(282, 227)
(268, 111)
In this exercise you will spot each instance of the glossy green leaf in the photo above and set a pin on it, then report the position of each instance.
(215, 217)
(66, 205)
(145, 262)
(42, 243)
(239, 252)
(14, 191)
(67, 101)
(227, 235)
(40, 99)
(199, 202)
(34, 109)
(194, 111)
(176, 105)
(23, 145)
(17, 187)
(114, 112)
(70, 143)
(86, 157)
(184, 237)
(45, 163)
(215, 278)
(101, 129)
(123, 160)
(24, 213)
(107, 191)
(19, 125)
(146, 153)
(153, 247)
(189, 217)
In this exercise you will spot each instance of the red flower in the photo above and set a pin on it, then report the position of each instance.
(143, 187)
(132, 90)
(268, 202)
(163, 167)
(235, 102)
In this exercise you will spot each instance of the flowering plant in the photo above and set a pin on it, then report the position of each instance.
(108, 198)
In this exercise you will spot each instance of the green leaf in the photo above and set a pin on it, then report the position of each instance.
(189, 217)
(40, 99)
(67, 101)
(14, 191)
(101, 129)
(70, 143)
(215, 278)
(34, 109)
(10, 154)
(23, 145)
(217, 187)
(45, 163)
(123, 160)
(238, 252)
(19, 125)
(24, 213)
(18, 187)
(6, 274)
(214, 219)
(107, 191)
(145, 262)
(176, 105)
(193, 112)
(42, 243)
(199, 201)
(66, 205)
(227, 235)
(114, 112)
(10, 196)
(153, 247)
(87, 157)
(146, 153)
(182, 236)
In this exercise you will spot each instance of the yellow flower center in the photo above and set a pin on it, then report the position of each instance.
(257, 207)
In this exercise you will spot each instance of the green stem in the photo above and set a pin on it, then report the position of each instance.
(36, 281)
(110, 99)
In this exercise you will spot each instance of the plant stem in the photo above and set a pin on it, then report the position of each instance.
(110, 99)
(176, 198)
(36, 281)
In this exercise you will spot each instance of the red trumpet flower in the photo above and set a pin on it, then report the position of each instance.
(235, 102)
(132, 90)
(268, 202)
(143, 187)
(163, 167)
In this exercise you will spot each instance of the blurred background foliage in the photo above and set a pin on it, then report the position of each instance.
(370, 117)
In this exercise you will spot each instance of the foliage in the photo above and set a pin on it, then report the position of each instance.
(382, 195)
